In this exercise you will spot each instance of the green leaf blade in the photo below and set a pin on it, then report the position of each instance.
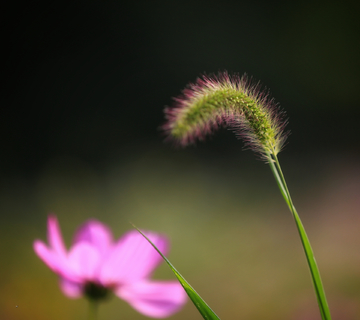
(314, 270)
(206, 312)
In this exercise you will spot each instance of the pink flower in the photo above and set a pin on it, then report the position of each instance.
(95, 265)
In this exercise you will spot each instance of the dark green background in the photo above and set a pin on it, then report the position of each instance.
(89, 77)
(85, 84)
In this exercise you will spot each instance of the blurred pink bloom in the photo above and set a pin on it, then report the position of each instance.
(95, 265)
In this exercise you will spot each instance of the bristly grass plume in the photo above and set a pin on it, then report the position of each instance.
(230, 101)
(236, 103)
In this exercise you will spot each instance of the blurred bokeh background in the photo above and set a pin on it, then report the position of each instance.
(85, 84)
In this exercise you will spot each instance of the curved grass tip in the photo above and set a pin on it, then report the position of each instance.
(230, 101)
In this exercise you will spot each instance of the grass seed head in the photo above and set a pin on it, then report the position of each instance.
(227, 101)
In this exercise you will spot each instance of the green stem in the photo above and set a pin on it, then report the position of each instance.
(315, 274)
(93, 305)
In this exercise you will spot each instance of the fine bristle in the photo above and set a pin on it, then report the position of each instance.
(231, 101)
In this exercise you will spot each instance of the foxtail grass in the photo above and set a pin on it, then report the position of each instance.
(238, 104)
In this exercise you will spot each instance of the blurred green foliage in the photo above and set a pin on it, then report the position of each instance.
(83, 96)
(224, 217)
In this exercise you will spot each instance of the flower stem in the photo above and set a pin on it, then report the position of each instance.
(93, 306)
(315, 274)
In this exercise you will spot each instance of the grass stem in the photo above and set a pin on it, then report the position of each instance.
(314, 270)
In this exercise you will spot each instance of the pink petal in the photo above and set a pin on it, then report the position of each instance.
(54, 236)
(132, 258)
(50, 258)
(71, 289)
(154, 299)
(96, 234)
(54, 261)
(84, 261)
